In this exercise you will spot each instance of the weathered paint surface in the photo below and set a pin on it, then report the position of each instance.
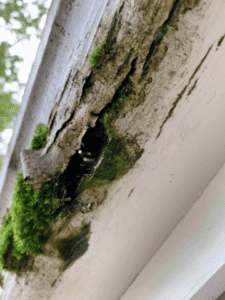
(171, 99)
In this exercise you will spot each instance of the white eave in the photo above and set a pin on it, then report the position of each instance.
(180, 241)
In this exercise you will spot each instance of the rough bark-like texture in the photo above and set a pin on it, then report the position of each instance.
(134, 45)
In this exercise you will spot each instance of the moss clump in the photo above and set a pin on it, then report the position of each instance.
(39, 140)
(96, 54)
(28, 217)
(31, 212)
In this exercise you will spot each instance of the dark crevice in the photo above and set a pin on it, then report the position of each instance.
(192, 88)
(220, 41)
(181, 94)
(53, 114)
(85, 159)
(51, 124)
(94, 114)
(111, 31)
(126, 60)
(83, 162)
(65, 124)
(158, 39)
(199, 66)
(50, 117)
(121, 8)
(87, 85)
(130, 192)
(65, 86)
(112, 34)
(74, 77)
(118, 91)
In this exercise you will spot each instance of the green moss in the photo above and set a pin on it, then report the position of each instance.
(96, 54)
(163, 33)
(29, 215)
(39, 140)
(24, 224)
(1, 281)
(31, 212)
